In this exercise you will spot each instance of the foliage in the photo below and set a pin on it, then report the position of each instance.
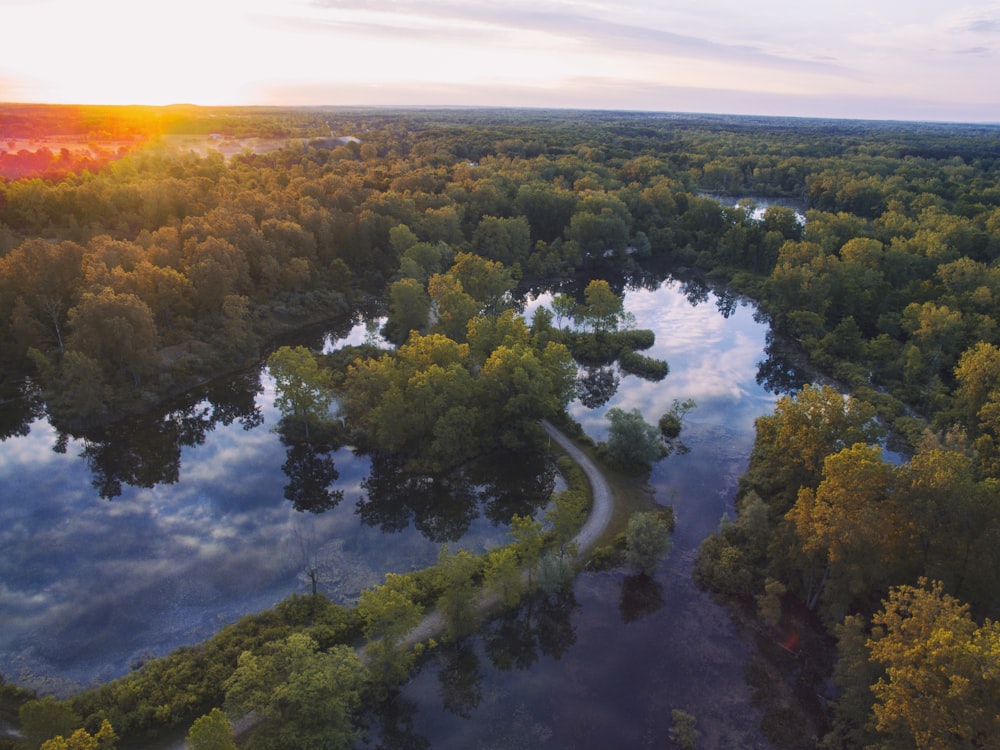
(389, 613)
(670, 422)
(45, 718)
(682, 732)
(132, 282)
(213, 731)
(305, 697)
(81, 739)
(302, 389)
(458, 592)
(647, 541)
(942, 672)
(632, 442)
(439, 402)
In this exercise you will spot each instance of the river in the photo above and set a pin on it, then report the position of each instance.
(121, 548)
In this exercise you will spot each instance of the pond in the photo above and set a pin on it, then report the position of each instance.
(156, 533)
(126, 545)
(605, 666)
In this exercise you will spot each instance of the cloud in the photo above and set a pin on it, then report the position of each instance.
(561, 21)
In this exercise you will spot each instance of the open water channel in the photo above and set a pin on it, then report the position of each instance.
(126, 545)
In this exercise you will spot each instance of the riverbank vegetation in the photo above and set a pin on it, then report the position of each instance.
(125, 284)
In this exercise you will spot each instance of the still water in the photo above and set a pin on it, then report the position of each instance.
(122, 546)
(605, 666)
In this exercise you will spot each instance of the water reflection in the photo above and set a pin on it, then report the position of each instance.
(541, 625)
(18, 409)
(776, 372)
(443, 506)
(144, 451)
(596, 385)
(207, 521)
(311, 472)
(641, 597)
(460, 679)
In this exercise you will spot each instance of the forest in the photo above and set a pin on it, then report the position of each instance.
(131, 278)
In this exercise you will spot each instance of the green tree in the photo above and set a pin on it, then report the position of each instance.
(389, 613)
(81, 739)
(306, 698)
(563, 306)
(458, 593)
(603, 308)
(632, 441)
(682, 732)
(502, 575)
(303, 389)
(45, 718)
(647, 541)
(117, 331)
(528, 541)
(409, 309)
(212, 731)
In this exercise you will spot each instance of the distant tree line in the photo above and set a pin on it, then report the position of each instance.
(120, 286)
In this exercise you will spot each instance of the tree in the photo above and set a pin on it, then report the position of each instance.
(305, 698)
(566, 515)
(603, 307)
(45, 718)
(563, 306)
(409, 309)
(941, 686)
(117, 331)
(507, 241)
(389, 613)
(632, 441)
(213, 731)
(303, 389)
(457, 590)
(81, 739)
(45, 279)
(489, 283)
(683, 732)
(502, 575)
(647, 541)
(528, 541)
(793, 442)
(844, 529)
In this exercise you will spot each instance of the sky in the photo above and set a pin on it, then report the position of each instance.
(879, 59)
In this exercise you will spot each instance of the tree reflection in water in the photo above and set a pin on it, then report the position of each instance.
(543, 624)
(460, 679)
(310, 472)
(145, 450)
(642, 595)
(597, 385)
(442, 507)
(19, 409)
(775, 372)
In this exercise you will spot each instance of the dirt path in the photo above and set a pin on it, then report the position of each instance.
(603, 503)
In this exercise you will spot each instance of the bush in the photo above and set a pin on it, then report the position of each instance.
(647, 541)
(643, 366)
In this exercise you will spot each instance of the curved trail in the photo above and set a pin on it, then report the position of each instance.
(433, 624)
(603, 503)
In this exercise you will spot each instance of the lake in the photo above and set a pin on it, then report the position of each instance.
(605, 666)
(126, 545)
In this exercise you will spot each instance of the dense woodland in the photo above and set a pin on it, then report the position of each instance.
(123, 285)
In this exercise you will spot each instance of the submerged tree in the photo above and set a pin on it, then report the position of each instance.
(303, 389)
(632, 441)
(647, 541)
